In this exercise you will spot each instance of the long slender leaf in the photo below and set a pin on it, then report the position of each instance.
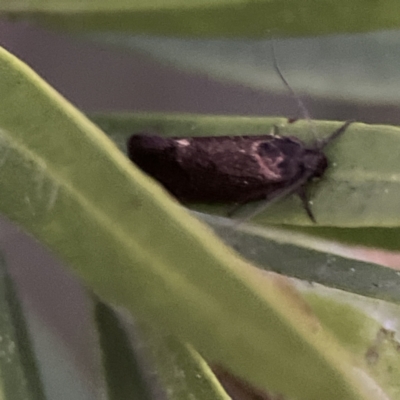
(210, 18)
(66, 183)
(360, 189)
(182, 372)
(123, 373)
(366, 327)
(296, 255)
(20, 376)
(375, 237)
(175, 366)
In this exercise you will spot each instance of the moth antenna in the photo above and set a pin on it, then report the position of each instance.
(299, 102)
(301, 191)
(324, 142)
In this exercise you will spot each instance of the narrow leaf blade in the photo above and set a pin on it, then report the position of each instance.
(20, 376)
(66, 183)
(361, 187)
(211, 18)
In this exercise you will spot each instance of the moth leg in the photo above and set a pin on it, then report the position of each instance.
(259, 195)
(267, 200)
(236, 207)
(301, 191)
(296, 187)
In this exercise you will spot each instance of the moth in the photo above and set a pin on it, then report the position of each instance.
(232, 169)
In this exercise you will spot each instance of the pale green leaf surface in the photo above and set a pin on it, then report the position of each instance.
(210, 18)
(19, 374)
(361, 188)
(367, 327)
(67, 184)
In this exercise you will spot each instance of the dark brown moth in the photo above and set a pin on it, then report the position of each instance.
(232, 169)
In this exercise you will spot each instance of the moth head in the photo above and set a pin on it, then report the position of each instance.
(315, 162)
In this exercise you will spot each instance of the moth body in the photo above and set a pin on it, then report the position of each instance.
(230, 169)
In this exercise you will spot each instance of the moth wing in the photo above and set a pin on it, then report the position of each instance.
(272, 158)
(220, 154)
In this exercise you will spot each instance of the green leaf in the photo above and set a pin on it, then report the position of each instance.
(301, 257)
(67, 184)
(123, 373)
(183, 373)
(382, 238)
(366, 327)
(360, 189)
(210, 18)
(179, 369)
(20, 377)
